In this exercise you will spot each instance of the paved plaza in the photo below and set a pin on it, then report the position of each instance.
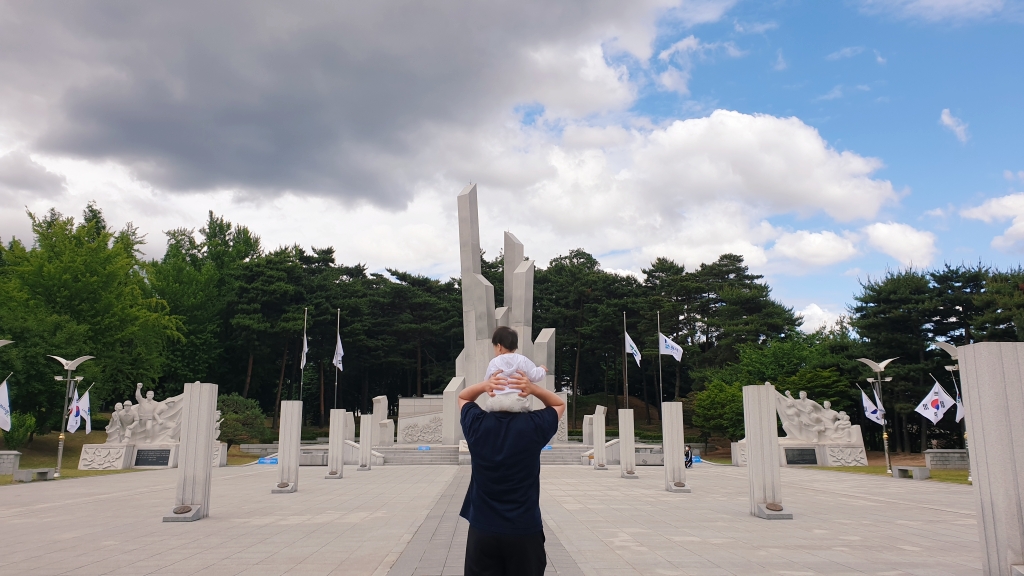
(402, 520)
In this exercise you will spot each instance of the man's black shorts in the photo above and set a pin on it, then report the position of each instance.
(489, 554)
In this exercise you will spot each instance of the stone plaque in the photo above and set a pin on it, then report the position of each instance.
(801, 456)
(153, 457)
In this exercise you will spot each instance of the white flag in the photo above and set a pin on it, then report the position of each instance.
(305, 348)
(960, 410)
(339, 353)
(5, 408)
(85, 411)
(75, 416)
(935, 404)
(871, 411)
(669, 347)
(632, 349)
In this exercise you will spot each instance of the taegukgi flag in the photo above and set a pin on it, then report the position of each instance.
(85, 412)
(75, 415)
(339, 353)
(871, 412)
(632, 349)
(5, 408)
(935, 404)
(960, 410)
(667, 346)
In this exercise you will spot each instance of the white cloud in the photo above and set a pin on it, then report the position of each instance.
(780, 62)
(1011, 176)
(1010, 207)
(954, 124)
(680, 57)
(848, 52)
(908, 245)
(816, 317)
(754, 27)
(935, 10)
(832, 94)
(815, 248)
(879, 58)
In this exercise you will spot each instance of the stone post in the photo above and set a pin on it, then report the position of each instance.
(762, 429)
(588, 430)
(350, 427)
(195, 451)
(673, 444)
(288, 447)
(365, 449)
(336, 445)
(451, 424)
(600, 452)
(627, 445)
(993, 394)
(380, 414)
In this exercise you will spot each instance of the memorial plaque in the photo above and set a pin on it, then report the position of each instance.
(160, 457)
(801, 456)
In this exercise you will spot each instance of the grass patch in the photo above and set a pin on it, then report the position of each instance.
(42, 453)
(717, 459)
(950, 476)
(238, 458)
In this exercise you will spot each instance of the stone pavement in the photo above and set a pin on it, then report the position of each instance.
(596, 524)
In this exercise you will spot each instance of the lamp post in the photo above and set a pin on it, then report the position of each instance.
(876, 383)
(951, 350)
(70, 366)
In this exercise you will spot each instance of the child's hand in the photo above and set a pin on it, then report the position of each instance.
(520, 382)
(496, 382)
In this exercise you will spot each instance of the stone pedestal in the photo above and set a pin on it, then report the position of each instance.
(674, 444)
(588, 430)
(105, 457)
(762, 429)
(336, 445)
(11, 459)
(220, 455)
(627, 445)
(954, 459)
(993, 394)
(289, 443)
(386, 433)
(192, 492)
(600, 450)
(365, 456)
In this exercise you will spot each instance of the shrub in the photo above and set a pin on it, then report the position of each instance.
(719, 408)
(22, 426)
(243, 422)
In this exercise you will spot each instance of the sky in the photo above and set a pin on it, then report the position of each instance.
(826, 142)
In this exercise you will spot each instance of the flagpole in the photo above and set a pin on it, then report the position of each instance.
(967, 450)
(625, 366)
(337, 336)
(302, 367)
(661, 379)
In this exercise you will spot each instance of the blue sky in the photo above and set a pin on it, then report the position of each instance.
(823, 141)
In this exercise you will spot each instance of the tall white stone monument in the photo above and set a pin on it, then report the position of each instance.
(288, 447)
(993, 394)
(673, 442)
(365, 438)
(600, 451)
(480, 317)
(763, 452)
(336, 445)
(627, 445)
(192, 492)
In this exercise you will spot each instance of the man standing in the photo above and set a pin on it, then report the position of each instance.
(506, 535)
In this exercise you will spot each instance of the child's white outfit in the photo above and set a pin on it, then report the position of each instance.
(508, 364)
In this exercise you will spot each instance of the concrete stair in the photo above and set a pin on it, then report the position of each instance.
(562, 454)
(411, 455)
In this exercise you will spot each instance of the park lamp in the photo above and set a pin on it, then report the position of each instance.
(70, 366)
(876, 384)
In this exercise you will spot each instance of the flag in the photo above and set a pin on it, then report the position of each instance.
(669, 347)
(935, 404)
(339, 353)
(85, 411)
(5, 408)
(305, 348)
(75, 415)
(871, 412)
(960, 410)
(632, 349)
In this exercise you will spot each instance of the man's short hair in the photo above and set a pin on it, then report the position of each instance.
(506, 338)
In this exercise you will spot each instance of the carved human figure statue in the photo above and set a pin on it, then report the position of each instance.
(149, 417)
(216, 427)
(805, 420)
(843, 429)
(128, 421)
(115, 432)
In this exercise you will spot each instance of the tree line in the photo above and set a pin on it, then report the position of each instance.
(220, 307)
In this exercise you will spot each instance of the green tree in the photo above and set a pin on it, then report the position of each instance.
(243, 420)
(20, 434)
(719, 408)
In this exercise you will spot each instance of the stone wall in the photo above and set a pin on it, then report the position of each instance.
(946, 459)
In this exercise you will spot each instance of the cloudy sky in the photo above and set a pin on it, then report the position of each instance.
(823, 141)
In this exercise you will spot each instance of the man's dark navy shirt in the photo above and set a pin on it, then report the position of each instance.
(504, 491)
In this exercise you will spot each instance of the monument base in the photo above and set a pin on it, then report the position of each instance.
(767, 514)
(333, 475)
(629, 475)
(796, 453)
(106, 456)
(155, 456)
(363, 469)
(678, 489)
(190, 515)
(220, 455)
(288, 489)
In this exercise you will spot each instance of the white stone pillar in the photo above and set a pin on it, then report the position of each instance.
(673, 445)
(336, 445)
(365, 449)
(288, 447)
(600, 453)
(993, 394)
(762, 429)
(380, 413)
(588, 430)
(195, 451)
(350, 427)
(627, 445)
(386, 433)
(451, 424)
